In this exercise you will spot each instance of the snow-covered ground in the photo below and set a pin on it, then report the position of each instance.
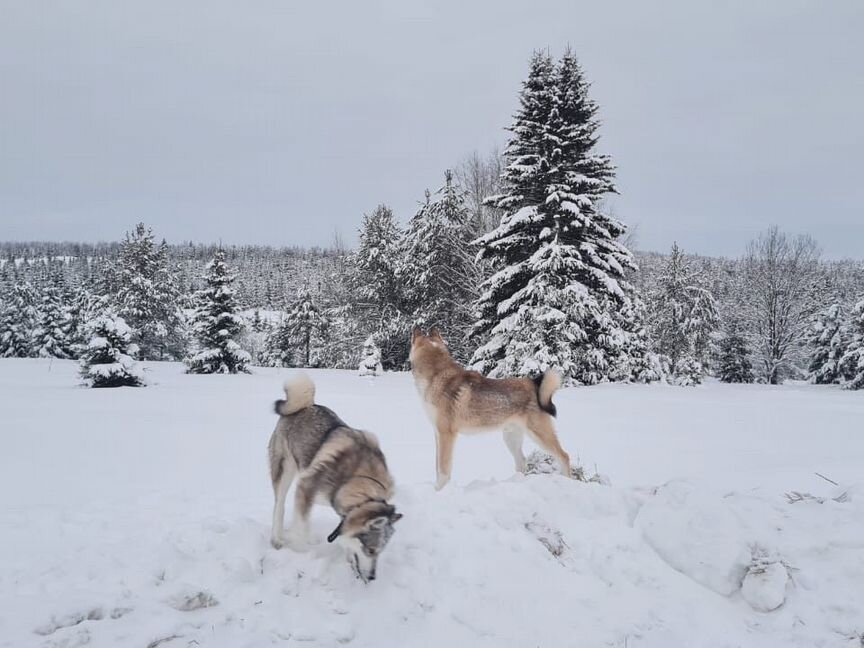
(140, 518)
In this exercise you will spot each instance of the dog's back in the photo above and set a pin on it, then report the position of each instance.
(470, 400)
(304, 428)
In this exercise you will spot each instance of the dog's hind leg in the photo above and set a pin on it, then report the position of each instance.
(542, 431)
(513, 435)
(445, 437)
(282, 475)
(304, 497)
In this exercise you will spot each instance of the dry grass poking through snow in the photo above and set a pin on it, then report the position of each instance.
(540, 463)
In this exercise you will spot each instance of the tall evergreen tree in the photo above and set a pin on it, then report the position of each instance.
(559, 288)
(377, 260)
(734, 357)
(109, 357)
(828, 341)
(53, 336)
(17, 322)
(305, 326)
(279, 348)
(380, 303)
(439, 271)
(683, 317)
(143, 289)
(217, 324)
(852, 362)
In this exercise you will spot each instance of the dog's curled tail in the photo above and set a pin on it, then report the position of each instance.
(299, 394)
(547, 385)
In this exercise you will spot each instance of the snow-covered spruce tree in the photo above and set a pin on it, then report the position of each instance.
(216, 324)
(683, 316)
(377, 259)
(53, 336)
(438, 267)
(108, 360)
(827, 339)
(852, 362)
(370, 363)
(80, 307)
(303, 328)
(258, 324)
(380, 303)
(279, 348)
(17, 322)
(143, 290)
(635, 362)
(734, 357)
(559, 285)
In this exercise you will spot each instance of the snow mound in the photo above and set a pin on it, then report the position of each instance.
(697, 534)
(764, 588)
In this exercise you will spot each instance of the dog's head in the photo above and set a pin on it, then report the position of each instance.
(364, 532)
(423, 343)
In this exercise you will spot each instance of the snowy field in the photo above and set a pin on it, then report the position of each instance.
(140, 518)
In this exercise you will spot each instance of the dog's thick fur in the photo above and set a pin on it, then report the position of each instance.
(335, 464)
(461, 401)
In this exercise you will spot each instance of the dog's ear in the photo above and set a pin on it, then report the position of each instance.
(416, 332)
(395, 518)
(435, 333)
(379, 522)
(336, 532)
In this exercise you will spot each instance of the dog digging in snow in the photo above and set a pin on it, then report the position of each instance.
(334, 464)
(461, 401)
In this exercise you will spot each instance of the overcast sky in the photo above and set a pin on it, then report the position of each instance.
(279, 122)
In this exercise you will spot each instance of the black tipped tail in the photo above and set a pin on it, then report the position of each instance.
(546, 385)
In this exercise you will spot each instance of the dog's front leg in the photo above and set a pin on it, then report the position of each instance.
(445, 439)
(298, 537)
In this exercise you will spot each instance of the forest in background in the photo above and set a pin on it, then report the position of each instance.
(515, 258)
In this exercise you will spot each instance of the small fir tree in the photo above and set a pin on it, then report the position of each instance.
(370, 363)
(109, 357)
(217, 324)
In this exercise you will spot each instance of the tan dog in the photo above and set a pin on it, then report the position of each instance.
(461, 401)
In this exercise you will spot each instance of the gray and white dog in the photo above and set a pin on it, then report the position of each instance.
(337, 465)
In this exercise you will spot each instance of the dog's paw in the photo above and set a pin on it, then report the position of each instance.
(277, 543)
(442, 481)
(298, 541)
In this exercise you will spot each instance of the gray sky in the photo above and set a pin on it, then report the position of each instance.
(279, 122)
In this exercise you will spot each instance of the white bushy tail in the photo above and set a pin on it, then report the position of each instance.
(299, 394)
